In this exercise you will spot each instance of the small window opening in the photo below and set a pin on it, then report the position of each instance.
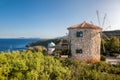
(79, 34)
(79, 51)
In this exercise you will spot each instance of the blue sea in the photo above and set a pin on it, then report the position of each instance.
(15, 44)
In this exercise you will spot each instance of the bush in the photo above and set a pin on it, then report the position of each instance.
(96, 71)
(37, 49)
(103, 58)
(36, 66)
(31, 66)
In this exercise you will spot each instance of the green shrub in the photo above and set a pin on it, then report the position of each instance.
(103, 58)
(96, 71)
(31, 66)
(36, 66)
(38, 49)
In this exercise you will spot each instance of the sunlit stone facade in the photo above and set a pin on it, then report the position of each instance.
(85, 42)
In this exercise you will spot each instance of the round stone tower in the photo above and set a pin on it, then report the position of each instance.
(85, 42)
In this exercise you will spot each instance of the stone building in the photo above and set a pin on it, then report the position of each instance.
(85, 41)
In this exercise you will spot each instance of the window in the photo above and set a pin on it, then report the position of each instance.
(79, 51)
(79, 34)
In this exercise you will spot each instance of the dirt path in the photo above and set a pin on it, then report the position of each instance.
(112, 60)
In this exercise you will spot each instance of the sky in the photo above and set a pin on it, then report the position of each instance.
(51, 18)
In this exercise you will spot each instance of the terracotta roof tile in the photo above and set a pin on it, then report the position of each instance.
(85, 25)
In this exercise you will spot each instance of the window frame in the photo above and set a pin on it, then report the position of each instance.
(79, 51)
(79, 34)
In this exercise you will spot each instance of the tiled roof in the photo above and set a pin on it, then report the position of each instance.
(85, 25)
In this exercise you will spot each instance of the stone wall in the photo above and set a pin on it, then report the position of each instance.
(89, 43)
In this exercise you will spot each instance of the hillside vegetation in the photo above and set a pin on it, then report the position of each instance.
(112, 33)
(108, 47)
(29, 65)
(43, 42)
(108, 34)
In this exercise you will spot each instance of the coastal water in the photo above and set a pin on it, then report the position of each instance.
(15, 44)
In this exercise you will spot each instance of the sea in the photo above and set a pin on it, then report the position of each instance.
(12, 44)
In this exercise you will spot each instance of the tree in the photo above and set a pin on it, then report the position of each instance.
(114, 45)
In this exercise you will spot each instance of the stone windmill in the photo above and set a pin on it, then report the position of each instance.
(85, 41)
